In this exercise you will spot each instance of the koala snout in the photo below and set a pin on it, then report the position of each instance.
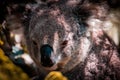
(46, 53)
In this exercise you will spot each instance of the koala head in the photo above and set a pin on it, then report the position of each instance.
(56, 38)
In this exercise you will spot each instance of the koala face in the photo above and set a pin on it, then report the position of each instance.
(53, 42)
(58, 41)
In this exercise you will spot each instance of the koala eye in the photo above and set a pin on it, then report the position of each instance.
(64, 43)
(34, 42)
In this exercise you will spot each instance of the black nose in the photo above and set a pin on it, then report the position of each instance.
(46, 51)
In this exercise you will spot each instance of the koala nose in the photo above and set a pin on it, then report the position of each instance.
(46, 52)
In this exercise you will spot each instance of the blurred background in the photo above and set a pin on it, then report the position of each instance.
(15, 62)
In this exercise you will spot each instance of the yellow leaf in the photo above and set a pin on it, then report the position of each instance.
(55, 75)
(1, 42)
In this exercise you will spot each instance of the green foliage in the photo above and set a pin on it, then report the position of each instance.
(9, 71)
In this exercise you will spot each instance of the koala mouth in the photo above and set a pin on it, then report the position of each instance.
(46, 53)
(49, 60)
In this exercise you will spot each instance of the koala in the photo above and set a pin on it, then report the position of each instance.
(68, 37)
